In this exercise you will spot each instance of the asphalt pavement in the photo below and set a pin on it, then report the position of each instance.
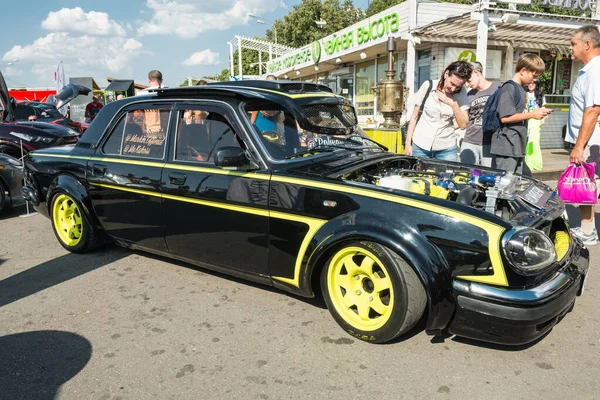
(120, 324)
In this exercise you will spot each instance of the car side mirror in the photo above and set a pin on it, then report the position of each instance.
(233, 157)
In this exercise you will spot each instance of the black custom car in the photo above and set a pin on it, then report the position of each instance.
(11, 181)
(20, 137)
(276, 182)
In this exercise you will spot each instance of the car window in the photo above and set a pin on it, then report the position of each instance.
(139, 133)
(22, 112)
(201, 132)
(326, 128)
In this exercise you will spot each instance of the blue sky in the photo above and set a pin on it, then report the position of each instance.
(127, 38)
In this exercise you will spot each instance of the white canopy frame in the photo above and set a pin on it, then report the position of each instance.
(262, 46)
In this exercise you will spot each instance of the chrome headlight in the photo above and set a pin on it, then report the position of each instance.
(528, 250)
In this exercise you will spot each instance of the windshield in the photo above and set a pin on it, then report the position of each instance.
(326, 128)
(47, 112)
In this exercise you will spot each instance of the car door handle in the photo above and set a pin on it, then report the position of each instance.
(98, 169)
(177, 178)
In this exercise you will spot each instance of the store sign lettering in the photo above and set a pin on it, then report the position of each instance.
(373, 30)
(569, 4)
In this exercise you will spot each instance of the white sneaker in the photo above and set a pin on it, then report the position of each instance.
(589, 239)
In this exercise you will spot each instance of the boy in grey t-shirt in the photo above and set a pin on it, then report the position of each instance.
(509, 142)
(475, 148)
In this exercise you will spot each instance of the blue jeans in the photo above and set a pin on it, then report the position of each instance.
(446, 154)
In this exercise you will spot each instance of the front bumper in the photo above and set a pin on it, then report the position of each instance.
(517, 316)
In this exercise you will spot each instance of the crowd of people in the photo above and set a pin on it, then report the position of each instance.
(457, 101)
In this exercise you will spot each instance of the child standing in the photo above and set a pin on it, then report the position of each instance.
(533, 151)
(509, 142)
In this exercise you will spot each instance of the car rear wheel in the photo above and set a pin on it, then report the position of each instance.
(71, 226)
(371, 292)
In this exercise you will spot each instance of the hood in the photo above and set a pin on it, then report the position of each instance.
(5, 103)
(516, 199)
(41, 128)
(68, 93)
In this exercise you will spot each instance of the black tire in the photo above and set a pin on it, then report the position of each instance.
(71, 226)
(2, 196)
(11, 151)
(394, 298)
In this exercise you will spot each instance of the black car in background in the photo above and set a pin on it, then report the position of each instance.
(276, 182)
(18, 138)
(45, 112)
(11, 181)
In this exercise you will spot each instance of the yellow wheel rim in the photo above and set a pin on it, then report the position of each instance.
(67, 220)
(360, 288)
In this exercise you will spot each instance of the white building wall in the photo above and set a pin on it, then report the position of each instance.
(429, 12)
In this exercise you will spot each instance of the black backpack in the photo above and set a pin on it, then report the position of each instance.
(491, 120)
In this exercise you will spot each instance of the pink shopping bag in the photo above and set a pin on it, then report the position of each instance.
(577, 185)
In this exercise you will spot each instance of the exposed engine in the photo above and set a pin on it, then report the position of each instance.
(499, 193)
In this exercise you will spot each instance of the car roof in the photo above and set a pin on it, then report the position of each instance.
(290, 94)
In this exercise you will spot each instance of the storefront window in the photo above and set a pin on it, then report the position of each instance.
(563, 76)
(365, 83)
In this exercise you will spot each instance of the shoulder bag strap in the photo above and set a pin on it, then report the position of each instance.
(430, 85)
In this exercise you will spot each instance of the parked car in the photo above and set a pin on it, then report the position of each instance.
(19, 138)
(11, 182)
(46, 112)
(275, 182)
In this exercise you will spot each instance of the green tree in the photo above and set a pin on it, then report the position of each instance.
(377, 6)
(298, 27)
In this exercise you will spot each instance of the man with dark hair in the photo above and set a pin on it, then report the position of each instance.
(202, 82)
(584, 111)
(92, 109)
(155, 80)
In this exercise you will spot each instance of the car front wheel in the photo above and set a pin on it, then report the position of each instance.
(371, 292)
(70, 225)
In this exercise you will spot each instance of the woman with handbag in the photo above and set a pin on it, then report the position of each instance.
(440, 106)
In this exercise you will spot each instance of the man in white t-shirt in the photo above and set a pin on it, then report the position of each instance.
(584, 111)
(155, 80)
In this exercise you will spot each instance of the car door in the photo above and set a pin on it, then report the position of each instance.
(212, 215)
(125, 175)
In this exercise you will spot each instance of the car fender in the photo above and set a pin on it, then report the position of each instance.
(74, 188)
(422, 255)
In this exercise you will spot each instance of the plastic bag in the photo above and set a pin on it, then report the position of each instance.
(533, 151)
(577, 185)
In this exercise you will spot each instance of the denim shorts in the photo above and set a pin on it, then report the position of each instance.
(445, 154)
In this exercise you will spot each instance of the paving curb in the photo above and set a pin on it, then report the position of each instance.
(547, 175)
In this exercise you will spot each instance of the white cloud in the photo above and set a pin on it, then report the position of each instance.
(187, 19)
(12, 71)
(204, 57)
(83, 54)
(77, 20)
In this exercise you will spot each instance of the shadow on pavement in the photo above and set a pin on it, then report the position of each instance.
(15, 212)
(35, 364)
(499, 347)
(316, 301)
(54, 272)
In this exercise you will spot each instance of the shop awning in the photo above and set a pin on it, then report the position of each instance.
(532, 30)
